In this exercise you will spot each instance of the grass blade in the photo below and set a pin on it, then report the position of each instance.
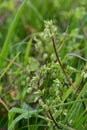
(69, 115)
(5, 49)
(27, 51)
(9, 65)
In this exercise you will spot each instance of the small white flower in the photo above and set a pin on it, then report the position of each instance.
(50, 29)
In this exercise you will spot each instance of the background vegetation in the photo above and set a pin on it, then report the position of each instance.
(43, 69)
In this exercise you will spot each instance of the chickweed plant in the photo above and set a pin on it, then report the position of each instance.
(55, 101)
(43, 82)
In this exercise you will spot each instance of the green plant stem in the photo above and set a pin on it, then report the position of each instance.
(53, 120)
(47, 112)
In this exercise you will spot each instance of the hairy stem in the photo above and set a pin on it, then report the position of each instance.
(53, 120)
(48, 113)
(64, 72)
(61, 66)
